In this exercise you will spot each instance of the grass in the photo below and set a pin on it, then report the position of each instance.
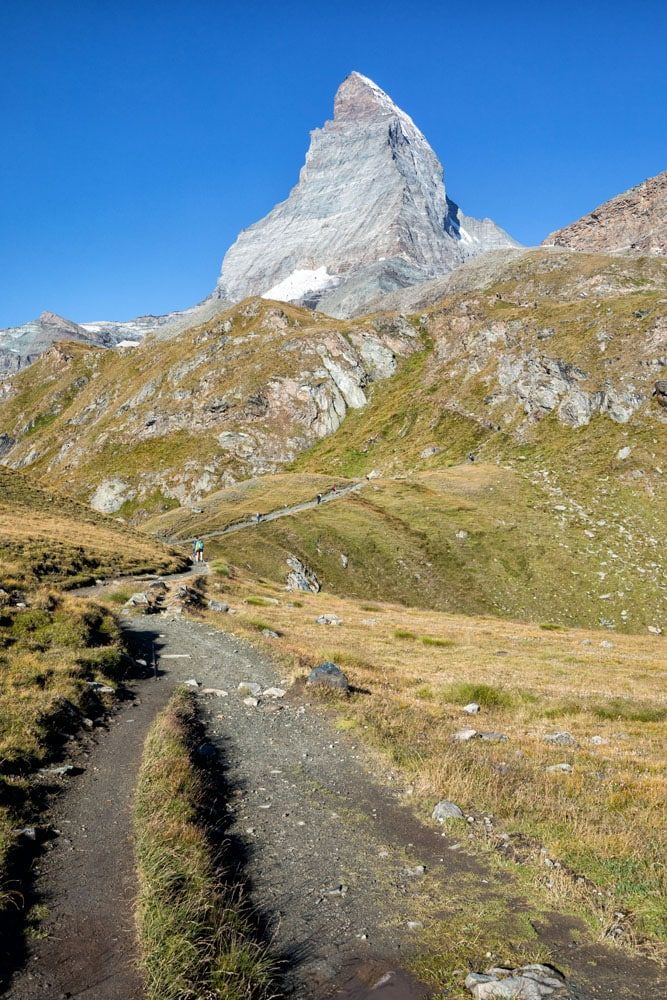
(195, 935)
(607, 816)
(46, 537)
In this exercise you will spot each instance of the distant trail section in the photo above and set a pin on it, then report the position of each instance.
(331, 495)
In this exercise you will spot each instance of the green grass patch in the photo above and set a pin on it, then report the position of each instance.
(624, 710)
(431, 640)
(195, 937)
(260, 602)
(551, 627)
(484, 694)
(401, 633)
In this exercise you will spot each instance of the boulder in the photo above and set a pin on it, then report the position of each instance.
(445, 810)
(472, 708)
(560, 768)
(328, 620)
(328, 675)
(530, 982)
(300, 577)
(463, 735)
(217, 606)
(274, 692)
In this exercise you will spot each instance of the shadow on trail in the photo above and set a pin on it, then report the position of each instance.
(231, 853)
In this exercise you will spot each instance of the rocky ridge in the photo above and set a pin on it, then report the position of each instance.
(634, 222)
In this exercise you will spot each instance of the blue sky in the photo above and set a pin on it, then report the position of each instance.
(139, 137)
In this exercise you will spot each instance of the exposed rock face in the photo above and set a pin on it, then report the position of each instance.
(368, 215)
(634, 222)
(21, 345)
(237, 397)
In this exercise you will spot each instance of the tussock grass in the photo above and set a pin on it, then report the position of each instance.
(604, 820)
(195, 937)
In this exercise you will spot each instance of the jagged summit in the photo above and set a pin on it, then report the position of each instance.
(369, 214)
(358, 97)
(634, 222)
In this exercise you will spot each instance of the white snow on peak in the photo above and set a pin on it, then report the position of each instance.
(384, 100)
(127, 343)
(299, 283)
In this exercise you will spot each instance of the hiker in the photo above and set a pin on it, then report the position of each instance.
(319, 498)
(198, 550)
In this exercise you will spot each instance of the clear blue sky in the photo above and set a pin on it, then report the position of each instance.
(139, 136)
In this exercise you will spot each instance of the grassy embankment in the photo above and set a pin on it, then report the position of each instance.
(195, 936)
(604, 821)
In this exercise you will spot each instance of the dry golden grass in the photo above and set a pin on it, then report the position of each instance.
(47, 536)
(604, 821)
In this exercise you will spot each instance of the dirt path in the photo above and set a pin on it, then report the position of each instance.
(86, 879)
(274, 515)
(329, 855)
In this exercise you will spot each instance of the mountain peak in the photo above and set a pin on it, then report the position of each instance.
(359, 98)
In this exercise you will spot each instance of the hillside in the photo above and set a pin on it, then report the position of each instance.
(48, 538)
(170, 421)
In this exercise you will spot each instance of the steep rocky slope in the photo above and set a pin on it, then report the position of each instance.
(634, 222)
(171, 420)
(369, 214)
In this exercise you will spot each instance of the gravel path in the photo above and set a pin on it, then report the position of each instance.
(329, 855)
(330, 497)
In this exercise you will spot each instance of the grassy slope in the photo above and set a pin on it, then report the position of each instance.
(46, 537)
(472, 539)
(194, 937)
(605, 821)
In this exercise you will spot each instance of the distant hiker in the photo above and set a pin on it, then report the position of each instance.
(319, 498)
(471, 456)
(198, 550)
(259, 517)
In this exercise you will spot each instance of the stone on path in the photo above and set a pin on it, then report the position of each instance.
(274, 692)
(215, 692)
(251, 688)
(251, 702)
(191, 682)
(328, 675)
(445, 810)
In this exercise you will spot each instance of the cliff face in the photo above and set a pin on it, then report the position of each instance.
(369, 214)
(634, 222)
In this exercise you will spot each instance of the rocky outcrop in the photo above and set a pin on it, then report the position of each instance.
(240, 396)
(634, 222)
(368, 215)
